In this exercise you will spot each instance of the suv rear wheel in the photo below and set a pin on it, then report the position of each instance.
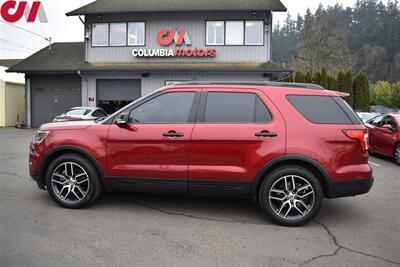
(72, 181)
(291, 196)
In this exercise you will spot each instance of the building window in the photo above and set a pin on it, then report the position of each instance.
(254, 32)
(100, 34)
(234, 33)
(215, 33)
(117, 34)
(136, 33)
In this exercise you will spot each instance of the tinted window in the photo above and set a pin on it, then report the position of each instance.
(166, 108)
(322, 109)
(390, 121)
(376, 121)
(235, 108)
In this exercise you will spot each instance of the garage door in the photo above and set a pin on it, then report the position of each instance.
(52, 95)
(114, 94)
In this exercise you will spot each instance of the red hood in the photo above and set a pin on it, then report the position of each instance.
(67, 125)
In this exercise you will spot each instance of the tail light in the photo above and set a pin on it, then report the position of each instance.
(360, 135)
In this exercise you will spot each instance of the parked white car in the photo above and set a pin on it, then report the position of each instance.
(366, 116)
(81, 113)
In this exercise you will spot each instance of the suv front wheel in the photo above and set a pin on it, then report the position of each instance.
(72, 181)
(291, 196)
(397, 154)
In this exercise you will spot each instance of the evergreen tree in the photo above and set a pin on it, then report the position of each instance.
(308, 77)
(317, 77)
(340, 79)
(324, 78)
(361, 91)
(332, 83)
(347, 87)
(299, 77)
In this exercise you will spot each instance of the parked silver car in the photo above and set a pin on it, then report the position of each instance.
(81, 113)
(366, 116)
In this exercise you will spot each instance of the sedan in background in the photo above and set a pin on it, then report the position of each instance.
(384, 135)
(81, 113)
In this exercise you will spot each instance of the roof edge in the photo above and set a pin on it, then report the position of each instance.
(79, 13)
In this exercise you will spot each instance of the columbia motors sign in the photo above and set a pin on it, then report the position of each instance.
(178, 38)
(13, 11)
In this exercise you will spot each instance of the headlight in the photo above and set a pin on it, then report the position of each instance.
(40, 136)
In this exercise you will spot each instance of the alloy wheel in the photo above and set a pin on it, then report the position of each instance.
(70, 182)
(397, 154)
(291, 197)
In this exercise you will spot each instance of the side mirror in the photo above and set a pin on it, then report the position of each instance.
(388, 127)
(122, 120)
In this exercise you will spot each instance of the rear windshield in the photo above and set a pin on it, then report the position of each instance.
(324, 109)
(73, 112)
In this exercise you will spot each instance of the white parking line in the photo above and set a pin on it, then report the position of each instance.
(375, 164)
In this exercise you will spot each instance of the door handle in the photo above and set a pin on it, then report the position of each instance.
(173, 134)
(266, 134)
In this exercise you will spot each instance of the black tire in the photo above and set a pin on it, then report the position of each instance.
(93, 185)
(272, 180)
(396, 154)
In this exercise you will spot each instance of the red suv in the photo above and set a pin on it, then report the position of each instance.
(284, 145)
(384, 135)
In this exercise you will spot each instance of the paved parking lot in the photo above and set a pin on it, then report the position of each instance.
(153, 230)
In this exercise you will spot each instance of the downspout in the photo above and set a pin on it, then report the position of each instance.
(87, 88)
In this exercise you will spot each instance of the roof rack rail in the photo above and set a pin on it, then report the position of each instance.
(274, 84)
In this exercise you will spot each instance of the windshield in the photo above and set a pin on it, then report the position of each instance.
(77, 112)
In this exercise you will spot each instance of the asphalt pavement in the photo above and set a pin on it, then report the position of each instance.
(124, 229)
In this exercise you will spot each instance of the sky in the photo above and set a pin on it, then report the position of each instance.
(16, 43)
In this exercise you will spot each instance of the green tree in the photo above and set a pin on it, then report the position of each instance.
(316, 78)
(396, 95)
(299, 77)
(324, 78)
(361, 96)
(332, 83)
(340, 79)
(345, 84)
(308, 77)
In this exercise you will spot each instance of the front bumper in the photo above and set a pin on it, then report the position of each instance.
(35, 176)
(350, 188)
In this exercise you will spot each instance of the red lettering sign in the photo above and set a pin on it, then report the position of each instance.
(23, 9)
(165, 37)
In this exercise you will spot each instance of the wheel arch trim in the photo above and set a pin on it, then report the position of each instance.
(292, 159)
(72, 149)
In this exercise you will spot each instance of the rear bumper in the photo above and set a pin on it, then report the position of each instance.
(350, 188)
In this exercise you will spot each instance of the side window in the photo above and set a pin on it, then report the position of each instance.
(235, 108)
(321, 109)
(375, 121)
(389, 120)
(166, 108)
